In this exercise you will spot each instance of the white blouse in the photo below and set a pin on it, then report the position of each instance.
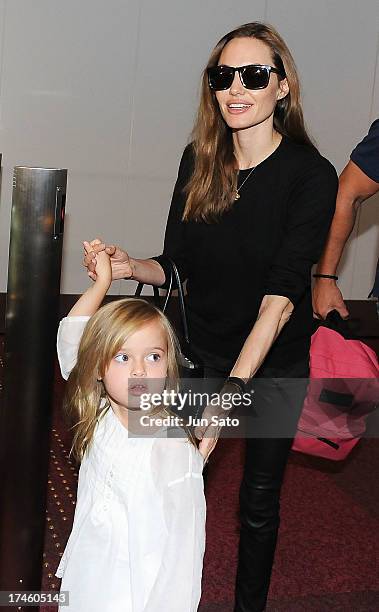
(138, 536)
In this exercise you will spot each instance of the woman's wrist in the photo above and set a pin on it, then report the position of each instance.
(238, 382)
(134, 268)
(146, 271)
(332, 277)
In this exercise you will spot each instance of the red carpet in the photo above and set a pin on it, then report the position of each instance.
(325, 557)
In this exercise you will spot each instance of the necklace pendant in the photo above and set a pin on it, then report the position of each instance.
(236, 196)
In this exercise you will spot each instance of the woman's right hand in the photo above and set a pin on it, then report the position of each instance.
(120, 261)
(326, 297)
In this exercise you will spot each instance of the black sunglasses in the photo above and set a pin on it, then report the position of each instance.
(253, 76)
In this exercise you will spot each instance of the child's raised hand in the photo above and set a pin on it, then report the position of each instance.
(103, 268)
(120, 261)
(92, 298)
(94, 249)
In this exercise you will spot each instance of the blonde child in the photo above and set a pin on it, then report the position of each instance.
(138, 536)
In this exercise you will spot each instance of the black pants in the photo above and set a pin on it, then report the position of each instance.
(266, 459)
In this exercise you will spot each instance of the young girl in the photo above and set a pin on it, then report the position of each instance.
(137, 541)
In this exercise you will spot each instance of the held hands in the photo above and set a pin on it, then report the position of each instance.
(121, 264)
(103, 269)
(326, 297)
(208, 434)
(92, 298)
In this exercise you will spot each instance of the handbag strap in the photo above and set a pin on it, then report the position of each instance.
(157, 297)
(182, 307)
(138, 291)
(174, 275)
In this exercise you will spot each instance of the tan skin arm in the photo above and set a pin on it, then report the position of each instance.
(354, 188)
(274, 312)
(146, 271)
(92, 298)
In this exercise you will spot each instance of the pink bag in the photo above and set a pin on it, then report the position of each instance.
(334, 413)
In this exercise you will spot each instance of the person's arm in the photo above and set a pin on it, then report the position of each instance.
(123, 266)
(70, 333)
(274, 312)
(91, 300)
(71, 327)
(354, 188)
(308, 219)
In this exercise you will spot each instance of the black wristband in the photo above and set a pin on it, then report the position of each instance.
(333, 276)
(234, 380)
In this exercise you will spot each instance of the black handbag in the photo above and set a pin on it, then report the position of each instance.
(190, 365)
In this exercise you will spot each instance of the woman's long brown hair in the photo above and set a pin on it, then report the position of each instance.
(214, 180)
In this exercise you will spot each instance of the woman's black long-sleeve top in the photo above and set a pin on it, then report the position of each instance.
(266, 244)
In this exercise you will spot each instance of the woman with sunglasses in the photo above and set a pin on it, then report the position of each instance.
(249, 216)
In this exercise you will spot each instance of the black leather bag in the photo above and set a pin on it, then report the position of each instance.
(190, 365)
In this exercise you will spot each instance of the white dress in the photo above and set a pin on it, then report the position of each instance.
(138, 536)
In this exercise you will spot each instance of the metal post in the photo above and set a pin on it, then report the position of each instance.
(35, 252)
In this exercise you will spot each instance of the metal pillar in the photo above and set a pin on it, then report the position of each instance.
(35, 252)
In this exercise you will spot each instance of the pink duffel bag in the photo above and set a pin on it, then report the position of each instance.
(343, 390)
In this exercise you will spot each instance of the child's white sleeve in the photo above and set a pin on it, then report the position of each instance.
(177, 469)
(69, 335)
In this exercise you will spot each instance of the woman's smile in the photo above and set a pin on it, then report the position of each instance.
(237, 108)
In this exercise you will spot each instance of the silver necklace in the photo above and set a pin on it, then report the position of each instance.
(237, 191)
